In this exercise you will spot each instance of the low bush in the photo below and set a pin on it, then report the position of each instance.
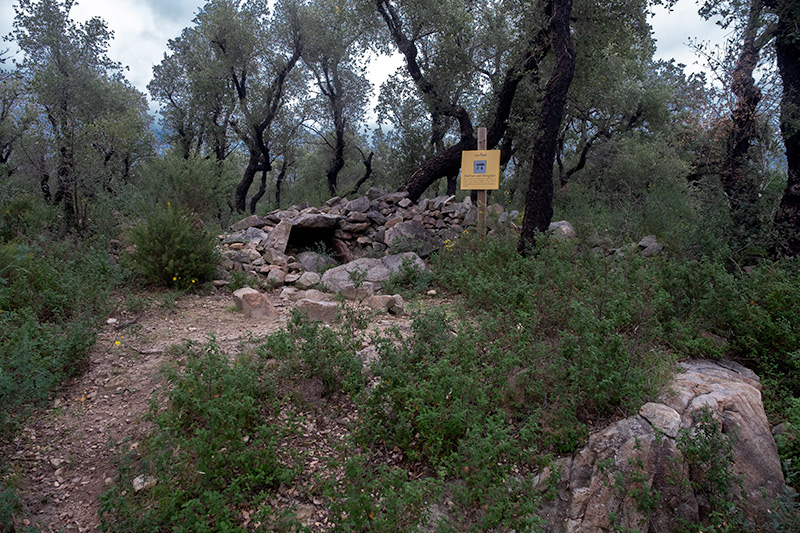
(52, 299)
(173, 250)
(310, 350)
(212, 452)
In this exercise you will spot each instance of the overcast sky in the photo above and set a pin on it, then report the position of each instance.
(142, 27)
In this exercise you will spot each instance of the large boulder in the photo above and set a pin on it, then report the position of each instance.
(315, 221)
(253, 303)
(250, 222)
(367, 273)
(278, 238)
(411, 235)
(563, 230)
(638, 474)
(315, 262)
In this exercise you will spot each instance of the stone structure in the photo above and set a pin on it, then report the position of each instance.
(279, 247)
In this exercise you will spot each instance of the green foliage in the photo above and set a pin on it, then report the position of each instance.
(51, 299)
(22, 215)
(198, 185)
(211, 453)
(172, 250)
(630, 189)
(9, 506)
(402, 503)
(408, 281)
(311, 350)
(709, 454)
(240, 279)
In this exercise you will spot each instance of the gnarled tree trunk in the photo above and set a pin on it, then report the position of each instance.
(787, 47)
(539, 198)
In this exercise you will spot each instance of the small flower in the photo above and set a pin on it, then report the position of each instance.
(117, 343)
(174, 278)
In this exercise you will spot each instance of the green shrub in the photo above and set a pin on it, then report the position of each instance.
(172, 250)
(311, 350)
(197, 185)
(52, 299)
(409, 280)
(212, 450)
(709, 454)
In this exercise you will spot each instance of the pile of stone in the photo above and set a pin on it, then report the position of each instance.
(287, 247)
(295, 246)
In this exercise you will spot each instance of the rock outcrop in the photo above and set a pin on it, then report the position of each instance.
(642, 473)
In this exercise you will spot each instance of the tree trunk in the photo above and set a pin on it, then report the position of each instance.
(539, 198)
(787, 47)
(441, 164)
(338, 162)
(739, 185)
(367, 173)
(260, 194)
(279, 185)
(253, 167)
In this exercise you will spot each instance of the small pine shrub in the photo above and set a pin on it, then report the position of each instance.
(173, 251)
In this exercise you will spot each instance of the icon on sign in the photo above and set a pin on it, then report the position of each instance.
(479, 167)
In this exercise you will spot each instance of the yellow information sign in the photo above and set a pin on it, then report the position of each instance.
(480, 170)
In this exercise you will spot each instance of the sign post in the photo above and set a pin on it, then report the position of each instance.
(480, 170)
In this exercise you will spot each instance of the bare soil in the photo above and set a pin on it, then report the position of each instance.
(64, 458)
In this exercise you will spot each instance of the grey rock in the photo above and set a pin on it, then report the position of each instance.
(563, 230)
(143, 482)
(315, 221)
(508, 217)
(359, 205)
(356, 217)
(234, 238)
(354, 227)
(315, 262)
(367, 272)
(642, 458)
(276, 277)
(275, 257)
(376, 192)
(647, 241)
(308, 280)
(253, 304)
(471, 218)
(393, 304)
(335, 201)
(376, 217)
(661, 417)
(411, 235)
(649, 246)
(393, 198)
(255, 235)
(394, 263)
(250, 222)
(278, 238)
(322, 311)
(652, 251)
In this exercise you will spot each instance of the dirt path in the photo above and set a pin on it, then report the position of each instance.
(64, 458)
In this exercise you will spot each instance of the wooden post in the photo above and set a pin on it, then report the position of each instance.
(482, 193)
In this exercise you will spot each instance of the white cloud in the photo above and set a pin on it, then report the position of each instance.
(141, 31)
(674, 30)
